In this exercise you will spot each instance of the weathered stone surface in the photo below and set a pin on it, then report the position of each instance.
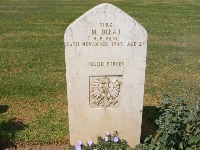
(105, 53)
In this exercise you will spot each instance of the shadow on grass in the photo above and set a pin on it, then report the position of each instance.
(149, 127)
(8, 129)
(3, 108)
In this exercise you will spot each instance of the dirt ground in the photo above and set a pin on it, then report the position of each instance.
(26, 146)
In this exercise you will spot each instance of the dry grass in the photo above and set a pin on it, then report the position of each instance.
(32, 67)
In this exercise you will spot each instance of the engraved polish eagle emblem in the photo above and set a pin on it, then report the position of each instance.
(105, 90)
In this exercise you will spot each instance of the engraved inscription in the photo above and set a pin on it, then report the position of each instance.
(105, 34)
(105, 91)
(106, 64)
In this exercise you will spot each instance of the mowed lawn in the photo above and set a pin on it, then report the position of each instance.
(32, 65)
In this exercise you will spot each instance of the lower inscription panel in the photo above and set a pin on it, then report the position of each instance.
(105, 91)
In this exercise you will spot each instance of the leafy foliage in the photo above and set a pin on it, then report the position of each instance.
(178, 129)
(178, 126)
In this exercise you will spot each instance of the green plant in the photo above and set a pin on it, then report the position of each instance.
(178, 126)
(110, 142)
(178, 129)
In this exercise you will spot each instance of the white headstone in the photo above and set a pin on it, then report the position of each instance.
(105, 53)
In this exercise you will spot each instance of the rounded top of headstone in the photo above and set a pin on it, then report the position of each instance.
(106, 12)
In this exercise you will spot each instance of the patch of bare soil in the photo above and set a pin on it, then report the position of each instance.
(27, 146)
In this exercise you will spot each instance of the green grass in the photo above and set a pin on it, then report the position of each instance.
(32, 67)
